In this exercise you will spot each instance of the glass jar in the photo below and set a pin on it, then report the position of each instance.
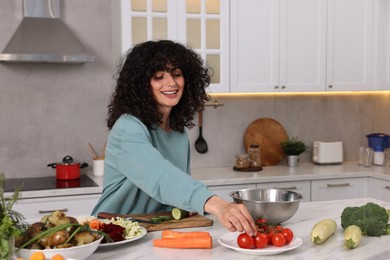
(254, 155)
(242, 161)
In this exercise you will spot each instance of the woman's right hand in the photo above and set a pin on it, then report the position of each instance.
(234, 217)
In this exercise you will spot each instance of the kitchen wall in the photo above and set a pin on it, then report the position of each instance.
(52, 110)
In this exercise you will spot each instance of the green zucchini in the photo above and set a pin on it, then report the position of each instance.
(322, 230)
(352, 236)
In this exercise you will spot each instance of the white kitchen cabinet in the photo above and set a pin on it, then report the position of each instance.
(334, 189)
(301, 45)
(278, 45)
(350, 45)
(382, 44)
(35, 208)
(302, 187)
(379, 189)
(202, 25)
(223, 190)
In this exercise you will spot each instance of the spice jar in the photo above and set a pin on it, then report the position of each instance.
(254, 155)
(242, 161)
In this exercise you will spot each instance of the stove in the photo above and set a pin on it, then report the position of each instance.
(47, 183)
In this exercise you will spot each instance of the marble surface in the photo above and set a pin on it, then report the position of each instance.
(301, 223)
(227, 176)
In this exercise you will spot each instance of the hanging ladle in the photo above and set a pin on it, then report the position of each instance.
(200, 143)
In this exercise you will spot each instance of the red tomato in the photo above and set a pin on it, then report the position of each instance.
(278, 229)
(288, 234)
(270, 234)
(278, 240)
(261, 240)
(262, 221)
(245, 241)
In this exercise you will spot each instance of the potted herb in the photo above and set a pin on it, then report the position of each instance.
(293, 147)
(12, 223)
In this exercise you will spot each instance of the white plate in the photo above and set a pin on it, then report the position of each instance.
(141, 235)
(229, 240)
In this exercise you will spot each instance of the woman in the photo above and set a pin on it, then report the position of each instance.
(160, 87)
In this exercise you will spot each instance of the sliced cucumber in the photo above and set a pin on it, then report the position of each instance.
(179, 213)
(160, 219)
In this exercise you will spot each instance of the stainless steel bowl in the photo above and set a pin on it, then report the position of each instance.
(276, 205)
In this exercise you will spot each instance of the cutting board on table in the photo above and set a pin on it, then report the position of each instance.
(268, 133)
(187, 222)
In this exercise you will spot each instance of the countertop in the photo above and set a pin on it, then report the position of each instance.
(227, 176)
(301, 223)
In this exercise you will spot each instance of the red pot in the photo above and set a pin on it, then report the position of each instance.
(67, 169)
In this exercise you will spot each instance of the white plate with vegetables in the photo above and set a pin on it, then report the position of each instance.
(229, 240)
(120, 230)
(139, 235)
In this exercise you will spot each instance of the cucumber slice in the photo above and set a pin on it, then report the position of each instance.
(179, 213)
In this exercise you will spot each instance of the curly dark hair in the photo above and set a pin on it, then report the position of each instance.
(133, 93)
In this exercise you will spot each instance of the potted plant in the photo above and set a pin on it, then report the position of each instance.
(293, 147)
(12, 223)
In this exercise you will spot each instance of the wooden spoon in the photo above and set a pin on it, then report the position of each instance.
(200, 143)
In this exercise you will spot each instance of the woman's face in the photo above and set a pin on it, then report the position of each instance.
(167, 88)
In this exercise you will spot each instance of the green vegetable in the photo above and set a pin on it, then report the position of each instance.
(371, 218)
(160, 219)
(322, 231)
(352, 237)
(179, 213)
(12, 223)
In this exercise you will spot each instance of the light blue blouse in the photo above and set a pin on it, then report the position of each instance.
(148, 171)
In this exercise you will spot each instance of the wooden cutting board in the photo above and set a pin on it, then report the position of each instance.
(268, 133)
(187, 222)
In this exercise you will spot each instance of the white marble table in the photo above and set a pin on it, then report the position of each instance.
(309, 213)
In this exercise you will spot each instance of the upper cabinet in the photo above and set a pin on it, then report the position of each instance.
(382, 45)
(269, 45)
(349, 45)
(278, 45)
(202, 25)
(301, 45)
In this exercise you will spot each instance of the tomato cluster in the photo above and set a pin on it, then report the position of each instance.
(267, 234)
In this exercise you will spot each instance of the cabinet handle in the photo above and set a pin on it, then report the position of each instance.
(287, 188)
(387, 187)
(338, 185)
(276, 87)
(330, 86)
(283, 87)
(52, 210)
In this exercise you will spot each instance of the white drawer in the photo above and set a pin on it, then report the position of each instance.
(34, 209)
(334, 189)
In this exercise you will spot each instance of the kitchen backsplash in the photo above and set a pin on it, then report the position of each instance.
(49, 111)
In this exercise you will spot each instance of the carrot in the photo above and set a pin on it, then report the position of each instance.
(199, 242)
(177, 234)
(95, 224)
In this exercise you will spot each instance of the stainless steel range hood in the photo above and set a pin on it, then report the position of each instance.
(43, 37)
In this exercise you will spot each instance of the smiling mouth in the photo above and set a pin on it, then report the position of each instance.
(169, 92)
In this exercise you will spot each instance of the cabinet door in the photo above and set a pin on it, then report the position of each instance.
(136, 21)
(302, 45)
(204, 26)
(254, 45)
(200, 24)
(35, 209)
(334, 189)
(223, 190)
(302, 187)
(382, 44)
(349, 45)
(379, 189)
(284, 49)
